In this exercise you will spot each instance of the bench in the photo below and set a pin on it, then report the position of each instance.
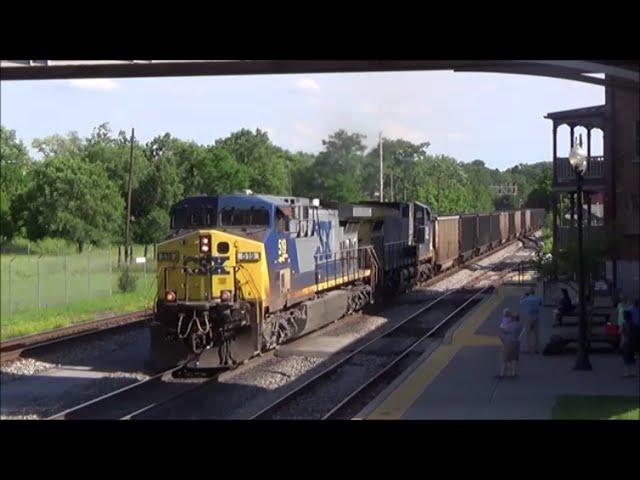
(591, 314)
(559, 344)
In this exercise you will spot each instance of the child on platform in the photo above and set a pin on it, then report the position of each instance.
(510, 330)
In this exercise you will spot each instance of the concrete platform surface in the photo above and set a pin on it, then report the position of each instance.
(457, 380)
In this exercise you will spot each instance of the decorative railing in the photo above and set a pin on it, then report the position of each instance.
(565, 173)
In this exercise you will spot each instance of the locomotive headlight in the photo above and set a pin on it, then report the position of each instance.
(205, 243)
(170, 296)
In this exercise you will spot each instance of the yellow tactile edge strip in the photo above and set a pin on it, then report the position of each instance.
(403, 397)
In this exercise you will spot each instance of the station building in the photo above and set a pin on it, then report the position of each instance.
(611, 183)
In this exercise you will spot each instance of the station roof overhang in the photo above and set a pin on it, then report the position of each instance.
(590, 117)
(624, 74)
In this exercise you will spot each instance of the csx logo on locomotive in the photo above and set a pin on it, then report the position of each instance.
(283, 256)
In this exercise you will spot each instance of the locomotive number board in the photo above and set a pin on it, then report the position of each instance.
(167, 256)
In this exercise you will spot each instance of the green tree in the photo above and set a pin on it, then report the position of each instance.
(480, 180)
(113, 154)
(264, 162)
(158, 189)
(298, 165)
(540, 194)
(441, 182)
(15, 168)
(337, 172)
(399, 158)
(72, 199)
(70, 145)
(527, 177)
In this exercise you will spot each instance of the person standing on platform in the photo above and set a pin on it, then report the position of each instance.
(531, 305)
(623, 304)
(627, 344)
(635, 329)
(510, 330)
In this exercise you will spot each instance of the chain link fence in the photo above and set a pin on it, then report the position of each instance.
(42, 281)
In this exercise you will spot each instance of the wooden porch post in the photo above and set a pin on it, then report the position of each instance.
(554, 203)
(572, 128)
(588, 149)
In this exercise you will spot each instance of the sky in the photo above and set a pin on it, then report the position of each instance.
(498, 118)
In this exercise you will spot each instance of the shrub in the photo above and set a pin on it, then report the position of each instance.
(127, 281)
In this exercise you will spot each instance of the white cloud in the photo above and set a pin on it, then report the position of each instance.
(104, 84)
(369, 108)
(305, 129)
(456, 136)
(398, 130)
(395, 109)
(307, 84)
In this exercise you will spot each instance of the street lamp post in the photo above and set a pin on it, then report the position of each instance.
(578, 160)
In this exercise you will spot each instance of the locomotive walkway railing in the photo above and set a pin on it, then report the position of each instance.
(345, 266)
(398, 254)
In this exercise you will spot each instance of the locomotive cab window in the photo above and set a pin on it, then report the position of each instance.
(282, 221)
(188, 218)
(244, 217)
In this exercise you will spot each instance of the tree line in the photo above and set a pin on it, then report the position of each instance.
(78, 190)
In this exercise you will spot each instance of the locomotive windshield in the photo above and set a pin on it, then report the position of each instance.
(193, 217)
(244, 217)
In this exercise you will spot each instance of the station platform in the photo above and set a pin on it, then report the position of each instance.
(458, 379)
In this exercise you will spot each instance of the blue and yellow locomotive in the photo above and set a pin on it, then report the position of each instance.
(242, 273)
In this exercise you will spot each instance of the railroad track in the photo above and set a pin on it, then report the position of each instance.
(453, 270)
(14, 348)
(407, 337)
(128, 401)
(146, 395)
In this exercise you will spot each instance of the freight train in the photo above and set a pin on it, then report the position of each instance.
(240, 274)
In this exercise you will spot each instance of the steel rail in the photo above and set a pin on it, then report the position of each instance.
(406, 352)
(13, 348)
(79, 411)
(330, 368)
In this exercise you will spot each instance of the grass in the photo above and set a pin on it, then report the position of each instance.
(71, 289)
(602, 407)
(62, 279)
(33, 321)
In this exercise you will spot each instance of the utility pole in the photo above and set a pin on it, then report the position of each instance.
(381, 175)
(127, 256)
(438, 198)
(393, 197)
